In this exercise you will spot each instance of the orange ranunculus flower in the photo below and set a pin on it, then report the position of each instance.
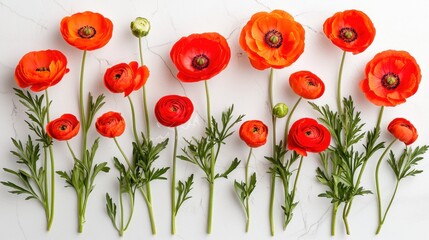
(390, 78)
(63, 128)
(125, 77)
(254, 133)
(41, 69)
(306, 84)
(110, 124)
(351, 30)
(87, 30)
(200, 56)
(307, 135)
(403, 130)
(272, 39)
(173, 110)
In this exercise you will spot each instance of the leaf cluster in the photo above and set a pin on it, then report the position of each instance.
(404, 166)
(244, 190)
(183, 189)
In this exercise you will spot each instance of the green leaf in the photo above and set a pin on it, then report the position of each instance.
(232, 167)
(183, 190)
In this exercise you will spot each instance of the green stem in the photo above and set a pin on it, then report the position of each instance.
(377, 184)
(273, 174)
(123, 154)
(289, 118)
(388, 207)
(173, 185)
(133, 114)
(212, 165)
(334, 218)
(346, 222)
(293, 192)
(131, 195)
(121, 231)
(51, 156)
(340, 75)
(246, 175)
(150, 208)
(146, 113)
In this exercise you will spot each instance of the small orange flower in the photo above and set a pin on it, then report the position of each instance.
(87, 30)
(403, 130)
(125, 77)
(306, 84)
(272, 39)
(254, 133)
(200, 56)
(391, 77)
(63, 128)
(41, 69)
(351, 30)
(110, 124)
(307, 135)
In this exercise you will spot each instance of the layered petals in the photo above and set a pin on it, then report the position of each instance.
(125, 78)
(306, 84)
(307, 135)
(63, 128)
(254, 133)
(403, 130)
(110, 124)
(173, 110)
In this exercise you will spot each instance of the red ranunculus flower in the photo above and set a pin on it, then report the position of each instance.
(86, 30)
(125, 77)
(272, 39)
(63, 128)
(306, 84)
(403, 130)
(41, 69)
(110, 124)
(307, 135)
(173, 110)
(200, 56)
(351, 30)
(390, 78)
(254, 133)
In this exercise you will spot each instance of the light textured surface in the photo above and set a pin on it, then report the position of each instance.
(34, 25)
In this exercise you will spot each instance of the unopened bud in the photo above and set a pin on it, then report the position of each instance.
(140, 27)
(280, 110)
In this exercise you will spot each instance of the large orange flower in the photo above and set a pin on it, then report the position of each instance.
(200, 56)
(87, 30)
(41, 69)
(351, 30)
(391, 77)
(272, 39)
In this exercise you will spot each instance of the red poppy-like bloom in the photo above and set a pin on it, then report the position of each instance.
(63, 128)
(254, 133)
(272, 39)
(390, 78)
(41, 69)
(173, 110)
(351, 30)
(110, 124)
(200, 56)
(125, 77)
(306, 84)
(307, 135)
(403, 130)
(86, 30)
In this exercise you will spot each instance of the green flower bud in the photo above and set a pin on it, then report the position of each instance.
(280, 110)
(140, 27)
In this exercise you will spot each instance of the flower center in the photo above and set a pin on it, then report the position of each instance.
(390, 81)
(200, 62)
(310, 81)
(42, 69)
(273, 38)
(255, 129)
(63, 127)
(86, 32)
(117, 76)
(348, 34)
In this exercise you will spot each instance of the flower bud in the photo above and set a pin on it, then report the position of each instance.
(140, 27)
(280, 110)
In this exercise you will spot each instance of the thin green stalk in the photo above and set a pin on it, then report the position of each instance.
(173, 185)
(346, 222)
(388, 207)
(146, 113)
(340, 75)
(150, 208)
(121, 231)
(46, 187)
(212, 165)
(246, 175)
(132, 209)
(133, 114)
(51, 156)
(273, 174)
(289, 118)
(123, 154)
(294, 188)
(377, 184)
(334, 218)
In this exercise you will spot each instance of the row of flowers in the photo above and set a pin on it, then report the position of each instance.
(272, 40)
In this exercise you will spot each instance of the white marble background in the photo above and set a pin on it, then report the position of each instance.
(34, 25)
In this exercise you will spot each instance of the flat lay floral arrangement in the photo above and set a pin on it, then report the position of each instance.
(335, 136)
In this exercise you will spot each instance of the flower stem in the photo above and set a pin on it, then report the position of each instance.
(340, 75)
(150, 208)
(173, 185)
(212, 165)
(52, 162)
(346, 222)
(289, 118)
(377, 184)
(136, 136)
(334, 218)
(289, 216)
(246, 175)
(146, 114)
(123, 154)
(273, 174)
